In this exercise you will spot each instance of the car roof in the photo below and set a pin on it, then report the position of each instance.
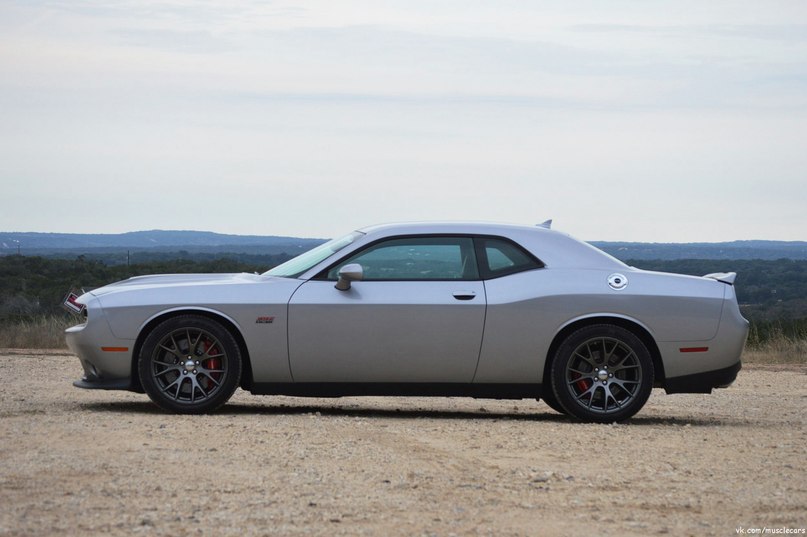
(470, 227)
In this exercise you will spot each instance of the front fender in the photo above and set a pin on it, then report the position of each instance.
(189, 309)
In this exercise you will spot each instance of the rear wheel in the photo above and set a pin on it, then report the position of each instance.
(602, 373)
(189, 364)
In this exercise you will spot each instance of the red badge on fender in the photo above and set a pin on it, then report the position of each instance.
(264, 320)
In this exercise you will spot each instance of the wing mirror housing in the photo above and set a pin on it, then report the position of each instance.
(349, 273)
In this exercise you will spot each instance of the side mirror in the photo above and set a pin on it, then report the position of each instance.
(349, 273)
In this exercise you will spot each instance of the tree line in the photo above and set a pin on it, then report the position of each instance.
(772, 293)
(31, 286)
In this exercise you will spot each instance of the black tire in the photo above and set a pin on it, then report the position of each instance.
(189, 364)
(549, 398)
(602, 373)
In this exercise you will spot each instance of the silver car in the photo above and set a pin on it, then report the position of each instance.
(422, 309)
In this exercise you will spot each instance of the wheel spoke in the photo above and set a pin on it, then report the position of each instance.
(593, 390)
(621, 384)
(207, 356)
(179, 387)
(191, 345)
(198, 385)
(575, 381)
(195, 345)
(167, 370)
(610, 394)
(214, 381)
(176, 346)
(586, 359)
(175, 352)
(624, 367)
(605, 350)
(589, 391)
(172, 384)
(620, 364)
(590, 354)
(176, 382)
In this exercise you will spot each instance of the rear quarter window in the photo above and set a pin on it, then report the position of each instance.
(500, 257)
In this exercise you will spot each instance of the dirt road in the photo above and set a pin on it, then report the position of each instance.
(75, 462)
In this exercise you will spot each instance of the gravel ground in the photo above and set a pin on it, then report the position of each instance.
(76, 462)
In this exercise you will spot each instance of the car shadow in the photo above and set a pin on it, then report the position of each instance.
(540, 415)
(129, 407)
(394, 413)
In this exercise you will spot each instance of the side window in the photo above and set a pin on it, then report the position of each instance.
(416, 258)
(502, 257)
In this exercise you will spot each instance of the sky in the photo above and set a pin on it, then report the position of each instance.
(652, 121)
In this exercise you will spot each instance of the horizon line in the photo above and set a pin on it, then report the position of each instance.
(324, 239)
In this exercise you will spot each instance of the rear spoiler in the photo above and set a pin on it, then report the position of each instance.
(725, 277)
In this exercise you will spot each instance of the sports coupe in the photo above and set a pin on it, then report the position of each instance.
(419, 309)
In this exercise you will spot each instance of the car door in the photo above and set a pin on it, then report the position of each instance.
(416, 316)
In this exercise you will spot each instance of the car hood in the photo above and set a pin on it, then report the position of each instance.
(177, 280)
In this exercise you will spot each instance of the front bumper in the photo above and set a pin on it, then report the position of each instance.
(106, 359)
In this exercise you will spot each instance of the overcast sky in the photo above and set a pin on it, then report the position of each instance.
(622, 120)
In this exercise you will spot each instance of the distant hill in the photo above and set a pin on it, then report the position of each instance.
(155, 240)
(706, 250)
(72, 244)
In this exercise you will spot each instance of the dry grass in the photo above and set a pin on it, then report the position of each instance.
(777, 350)
(47, 332)
(43, 332)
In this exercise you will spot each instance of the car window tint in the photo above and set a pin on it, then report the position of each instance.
(497, 259)
(420, 258)
(504, 257)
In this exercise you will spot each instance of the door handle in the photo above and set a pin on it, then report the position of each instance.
(464, 295)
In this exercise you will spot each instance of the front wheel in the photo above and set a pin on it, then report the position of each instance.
(549, 398)
(189, 364)
(602, 373)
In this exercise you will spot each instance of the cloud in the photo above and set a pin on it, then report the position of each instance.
(263, 113)
(186, 41)
(773, 32)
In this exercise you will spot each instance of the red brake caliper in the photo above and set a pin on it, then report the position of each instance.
(582, 384)
(212, 363)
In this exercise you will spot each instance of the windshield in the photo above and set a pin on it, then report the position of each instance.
(294, 267)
